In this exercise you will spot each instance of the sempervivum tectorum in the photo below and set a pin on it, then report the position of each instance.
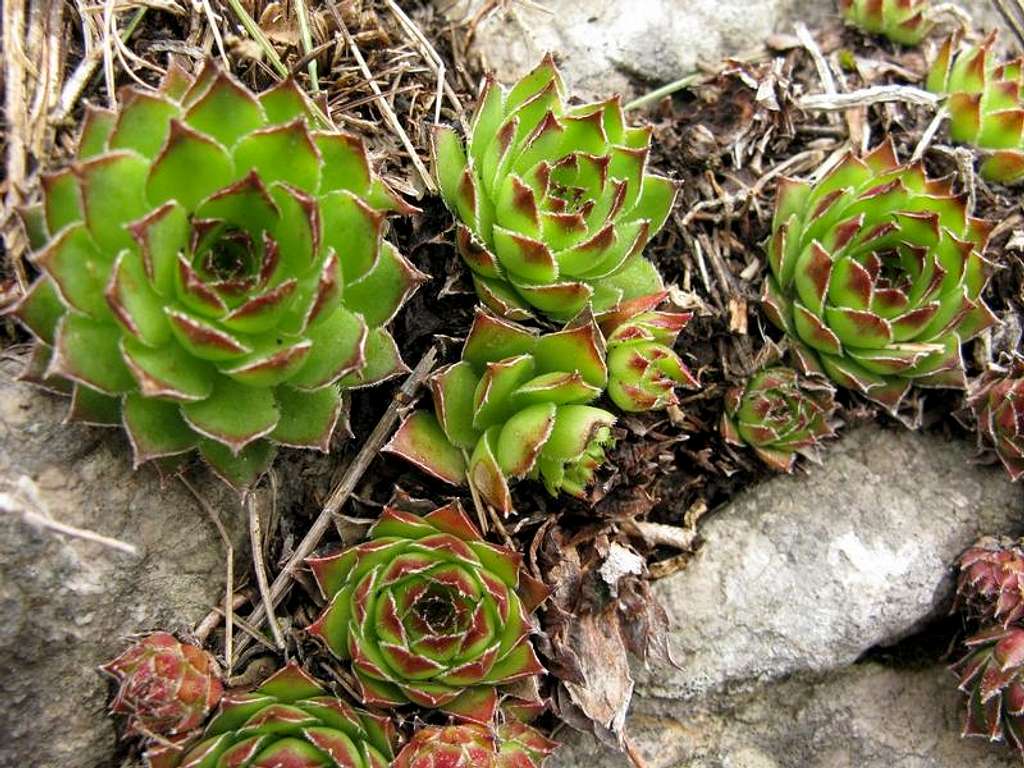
(984, 104)
(517, 403)
(290, 721)
(998, 404)
(165, 687)
(877, 274)
(990, 675)
(780, 414)
(554, 202)
(991, 581)
(428, 612)
(902, 21)
(512, 745)
(214, 273)
(643, 370)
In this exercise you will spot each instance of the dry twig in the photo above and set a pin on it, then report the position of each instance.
(343, 490)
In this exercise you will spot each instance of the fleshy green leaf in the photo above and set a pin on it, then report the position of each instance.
(234, 414)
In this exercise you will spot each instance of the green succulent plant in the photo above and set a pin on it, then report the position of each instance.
(643, 370)
(214, 273)
(876, 276)
(554, 204)
(290, 721)
(427, 612)
(779, 414)
(902, 21)
(985, 105)
(519, 402)
(469, 745)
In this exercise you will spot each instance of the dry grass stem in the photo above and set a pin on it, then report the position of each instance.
(341, 493)
(22, 498)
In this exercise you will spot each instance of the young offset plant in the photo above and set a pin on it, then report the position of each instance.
(554, 203)
(165, 687)
(902, 21)
(214, 273)
(643, 371)
(985, 105)
(519, 403)
(990, 586)
(998, 404)
(876, 276)
(512, 745)
(780, 414)
(429, 613)
(290, 720)
(991, 676)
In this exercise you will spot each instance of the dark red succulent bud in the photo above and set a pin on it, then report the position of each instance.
(991, 581)
(166, 687)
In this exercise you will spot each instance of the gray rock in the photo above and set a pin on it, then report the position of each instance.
(805, 573)
(607, 47)
(68, 604)
(798, 578)
(867, 716)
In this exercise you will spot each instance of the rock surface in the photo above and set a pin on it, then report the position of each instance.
(867, 716)
(68, 604)
(805, 573)
(605, 47)
(802, 575)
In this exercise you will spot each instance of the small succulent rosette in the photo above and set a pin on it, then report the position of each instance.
(429, 613)
(902, 21)
(470, 745)
(984, 104)
(517, 404)
(997, 401)
(643, 369)
(780, 414)
(554, 203)
(166, 688)
(290, 721)
(990, 676)
(214, 273)
(990, 585)
(877, 276)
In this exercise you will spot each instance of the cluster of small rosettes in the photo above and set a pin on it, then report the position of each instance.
(990, 591)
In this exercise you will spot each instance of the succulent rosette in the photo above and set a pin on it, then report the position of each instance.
(984, 105)
(990, 675)
(991, 581)
(469, 745)
(779, 414)
(429, 613)
(643, 370)
(290, 721)
(998, 404)
(214, 273)
(902, 21)
(519, 402)
(876, 275)
(165, 687)
(554, 203)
